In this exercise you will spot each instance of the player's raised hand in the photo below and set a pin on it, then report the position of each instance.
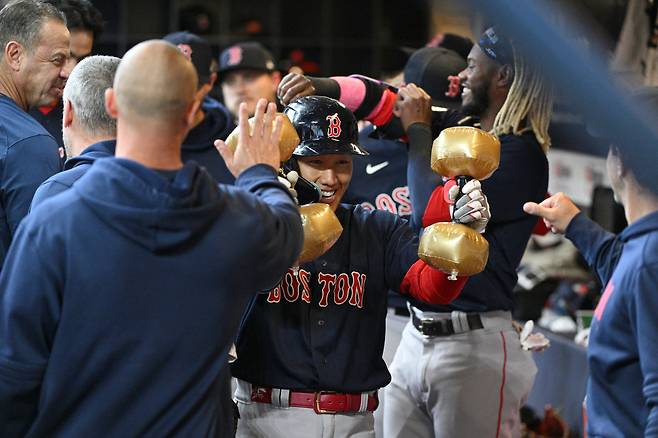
(294, 86)
(413, 105)
(259, 145)
(557, 211)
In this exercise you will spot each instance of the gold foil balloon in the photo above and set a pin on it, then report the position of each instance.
(454, 249)
(287, 142)
(321, 230)
(465, 151)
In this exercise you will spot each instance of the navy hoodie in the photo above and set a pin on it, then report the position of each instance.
(622, 392)
(122, 295)
(199, 144)
(73, 170)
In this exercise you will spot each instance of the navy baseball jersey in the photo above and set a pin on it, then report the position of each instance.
(323, 327)
(522, 176)
(379, 180)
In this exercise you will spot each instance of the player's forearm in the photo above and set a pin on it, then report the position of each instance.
(367, 98)
(429, 285)
(421, 179)
(600, 248)
(280, 222)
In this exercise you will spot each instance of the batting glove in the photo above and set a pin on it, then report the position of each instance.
(289, 181)
(471, 208)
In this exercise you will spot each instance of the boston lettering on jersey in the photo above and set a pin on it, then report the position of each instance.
(379, 180)
(397, 202)
(341, 288)
(294, 335)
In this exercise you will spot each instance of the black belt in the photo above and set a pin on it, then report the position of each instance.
(444, 327)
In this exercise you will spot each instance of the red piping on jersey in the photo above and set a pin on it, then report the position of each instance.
(502, 385)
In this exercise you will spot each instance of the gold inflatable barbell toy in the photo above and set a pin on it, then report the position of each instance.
(321, 230)
(288, 140)
(459, 152)
(321, 226)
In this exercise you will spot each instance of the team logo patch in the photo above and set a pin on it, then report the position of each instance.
(234, 55)
(453, 88)
(334, 129)
(186, 50)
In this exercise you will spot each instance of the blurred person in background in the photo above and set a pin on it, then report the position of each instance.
(212, 120)
(247, 72)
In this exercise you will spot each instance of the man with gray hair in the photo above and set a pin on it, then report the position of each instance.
(88, 130)
(34, 44)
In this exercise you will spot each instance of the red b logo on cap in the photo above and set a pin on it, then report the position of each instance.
(334, 126)
(234, 55)
(186, 50)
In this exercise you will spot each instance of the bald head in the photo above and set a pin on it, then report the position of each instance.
(155, 83)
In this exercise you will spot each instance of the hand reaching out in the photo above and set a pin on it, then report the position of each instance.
(259, 145)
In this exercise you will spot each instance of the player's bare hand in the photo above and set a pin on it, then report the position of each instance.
(259, 145)
(557, 211)
(294, 86)
(413, 105)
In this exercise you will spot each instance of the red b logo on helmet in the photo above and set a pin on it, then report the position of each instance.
(334, 126)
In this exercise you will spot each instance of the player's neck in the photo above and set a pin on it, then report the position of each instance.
(488, 117)
(639, 204)
(156, 149)
(9, 89)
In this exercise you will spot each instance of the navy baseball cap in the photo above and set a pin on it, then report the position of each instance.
(497, 46)
(196, 49)
(245, 56)
(429, 68)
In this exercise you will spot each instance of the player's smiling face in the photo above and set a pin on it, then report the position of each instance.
(332, 173)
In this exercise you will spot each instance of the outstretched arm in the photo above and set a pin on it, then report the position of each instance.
(600, 248)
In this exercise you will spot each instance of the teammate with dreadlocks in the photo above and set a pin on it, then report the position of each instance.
(460, 369)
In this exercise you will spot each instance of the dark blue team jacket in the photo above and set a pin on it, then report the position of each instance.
(199, 144)
(521, 177)
(74, 169)
(122, 295)
(622, 392)
(28, 156)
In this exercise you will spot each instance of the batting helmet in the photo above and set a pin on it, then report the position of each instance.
(325, 126)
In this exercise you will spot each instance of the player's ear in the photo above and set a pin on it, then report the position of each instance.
(506, 75)
(276, 79)
(68, 115)
(111, 103)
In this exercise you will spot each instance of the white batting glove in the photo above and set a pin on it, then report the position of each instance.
(472, 208)
(289, 181)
